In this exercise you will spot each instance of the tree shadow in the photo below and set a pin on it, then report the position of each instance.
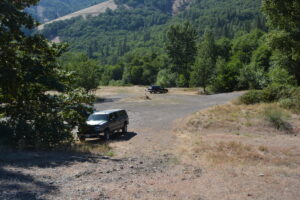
(17, 184)
(14, 185)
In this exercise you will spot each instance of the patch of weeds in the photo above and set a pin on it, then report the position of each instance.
(110, 154)
(237, 133)
(278, 118)
(248, 124)
(263, 148)
(225, 152)
(292, 104)
(90, 148)
(174, 161)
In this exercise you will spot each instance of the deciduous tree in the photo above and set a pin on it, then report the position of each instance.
(284, 19)
(28, 70)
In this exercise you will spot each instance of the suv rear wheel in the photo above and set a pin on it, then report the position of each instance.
(81, 138)
(107, 134)
(124, 129)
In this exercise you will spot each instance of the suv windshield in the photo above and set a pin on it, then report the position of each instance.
(99, 117)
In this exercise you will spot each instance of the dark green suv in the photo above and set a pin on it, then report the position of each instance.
(107, 122)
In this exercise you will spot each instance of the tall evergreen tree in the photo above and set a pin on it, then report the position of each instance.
(205, 65)
(181, 48)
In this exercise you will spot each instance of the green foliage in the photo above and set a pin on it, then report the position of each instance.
(229, 18)
(111, 35)
(28, 69)
(291, 100)
(287, 96)
(226, 78)
(283, 18)
(166, 78)
(251, 97)
(292, 104)
(252, 77)
(123, 41)
(85, 71)
(281, 76)
(204, 67)
(181, 81)
(181, 48)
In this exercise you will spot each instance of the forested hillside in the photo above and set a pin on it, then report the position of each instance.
(111, 35)
(145, 42)
(48, 10)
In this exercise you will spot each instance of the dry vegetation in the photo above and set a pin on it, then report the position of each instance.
(238, 144)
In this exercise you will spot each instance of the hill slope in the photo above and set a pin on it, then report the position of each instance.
(90, 11)
(47, 10)
(111, 35)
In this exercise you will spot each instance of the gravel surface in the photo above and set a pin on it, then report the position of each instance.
(144, 166)
(163, 109)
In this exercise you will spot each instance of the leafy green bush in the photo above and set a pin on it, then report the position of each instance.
(291, 104)
(277, 117)
(116, 83)
(166, 78)
(281, 76)
(272, 93)
(287, 96)
(251, 97)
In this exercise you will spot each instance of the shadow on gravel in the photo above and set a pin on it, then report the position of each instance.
(15, 184)
(126, 137)
(115, 138)
(106, 100)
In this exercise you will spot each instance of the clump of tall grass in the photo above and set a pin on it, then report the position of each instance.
(278, 118)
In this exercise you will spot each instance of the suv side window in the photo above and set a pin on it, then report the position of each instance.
(112, 117)
(123, 114)
(118, 115)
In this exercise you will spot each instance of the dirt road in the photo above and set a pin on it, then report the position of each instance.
(143, 167)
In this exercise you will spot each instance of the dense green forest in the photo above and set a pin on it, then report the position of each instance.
(47, 10)
(111, 35)
(130, 44)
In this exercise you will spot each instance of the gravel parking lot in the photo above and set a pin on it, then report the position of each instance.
(143, 166)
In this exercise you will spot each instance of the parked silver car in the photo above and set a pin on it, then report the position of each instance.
(107, 122)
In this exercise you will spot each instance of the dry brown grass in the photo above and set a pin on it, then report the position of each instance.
(85, 147)
(238, 119)
(239, 135)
